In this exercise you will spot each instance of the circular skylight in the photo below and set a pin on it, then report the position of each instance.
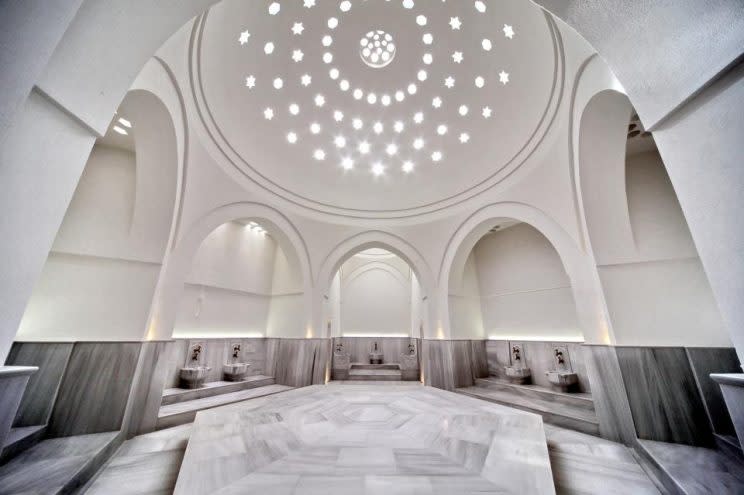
(377, 49)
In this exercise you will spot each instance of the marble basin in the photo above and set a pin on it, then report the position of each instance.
(193, 377)
(375, 358)
(562, 380)
(409, 367)
(234, 372)
(520, 375)
(341, 366)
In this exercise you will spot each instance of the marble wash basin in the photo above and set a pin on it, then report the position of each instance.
(409, 367)
(519, 375)
(375, 358)
(193, 377)
(562, 380)
(234, 372)
(341, 366)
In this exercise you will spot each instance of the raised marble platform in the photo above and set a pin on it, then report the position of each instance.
(569, 410)
(19, 439)
(57, 465)
(210, 389)
(368, 439)
(694, 470)
(185, 412)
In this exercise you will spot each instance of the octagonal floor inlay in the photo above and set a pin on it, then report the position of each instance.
(369, 439)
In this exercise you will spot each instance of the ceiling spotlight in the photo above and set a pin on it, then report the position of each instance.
(294, 109)
(399, 126)
(344, 85)
(120, 130)
(291, 137)
(340, 141)
(125, 122)
(418, 117)
(378, 169)
(436, 156)
(278, 83)
(421, 75)
(421, 20)
(428, 58)
(338, 116)
(391, 149)
(378, 127)
(418, 143)
(407, 4)
(332, 23)
(442, 129)
(357, 123)
(319, 155)
(486, 44)
(385, 100)
(358, 93)
(463, 110)
(274, 8)
(345, 6)
(327, 40)
(315, 128)
(371, 98)
(269, 48)
(399, 95)
(334, 73)
(411, 89)
(407, 166)
(319, 100)
(480, 6)
(479, 82)
(347, 163)
(364, 147)
(428, 39)
(328, 57)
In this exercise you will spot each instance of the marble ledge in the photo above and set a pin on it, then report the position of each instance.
(733, 379)
(12, 371)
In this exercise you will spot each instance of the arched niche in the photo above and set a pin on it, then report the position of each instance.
(101, 273)
(237, 216)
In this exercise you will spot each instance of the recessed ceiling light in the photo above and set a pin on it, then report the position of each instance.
(340, 141)
(421, 75)
(338, 116)
(120, 130)
(385, 100)
(306, 79)
(407, 166)
(378, 127)
(292, 137)
(480, 6)
(428, 39)
(294, 109)
(412, 89)
(400, 95)
(421, 20)
(418, 117)
(332, 23)
(486, 44)
(297, 55)
(364, 147)
(442, 129)
(464, 137)
(436, 102)
(269, 114)
(428, 58)
(399, 126)
(319, 100)
(315, 128)
(358, 93)
(274, 8)
(334, 73)
(269, 48)
(327, 40)
(436, 156)
(418, 143)
(463, 110)
(278, 83)
(407, 4)
(344, 85)
(125, 122)
(328, 57)
(345, 6)
(391, 149)
(357, 123)
(347, 163)
(479, 82)
(319, 154)
(371, 98)
(378, 168)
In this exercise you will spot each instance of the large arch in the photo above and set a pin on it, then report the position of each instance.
(170, 288)
(590, 307)
(375, 239)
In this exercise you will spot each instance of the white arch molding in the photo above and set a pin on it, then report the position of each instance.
(590, 305)
(178, 262)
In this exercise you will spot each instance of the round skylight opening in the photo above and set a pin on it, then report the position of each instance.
(377, 49)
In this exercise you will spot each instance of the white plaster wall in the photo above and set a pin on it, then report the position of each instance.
(660, 295)
(524, 289)
(466, 319)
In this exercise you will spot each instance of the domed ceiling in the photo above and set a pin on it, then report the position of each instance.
(376, 108)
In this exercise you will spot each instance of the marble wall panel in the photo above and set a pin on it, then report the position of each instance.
(479, 358)
(41, 392)
(360, 347)
(147, 391)
(663, 395)
(462, 362)
(707, 360)
(301, 362)
(576, 353)
(498, 357)
(609, 394)
(95, 388)
(438, 364)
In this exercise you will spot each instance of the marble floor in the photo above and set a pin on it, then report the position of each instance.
(369, 439)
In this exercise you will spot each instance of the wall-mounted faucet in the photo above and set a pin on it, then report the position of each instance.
(236, 350)
(375, 346)
(411, 349)
(339, 347)
(516, 353)
(559, 356)
(195, 352)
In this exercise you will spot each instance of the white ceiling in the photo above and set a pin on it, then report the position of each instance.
(273, 44)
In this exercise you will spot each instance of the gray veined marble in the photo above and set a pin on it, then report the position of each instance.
(366, 439)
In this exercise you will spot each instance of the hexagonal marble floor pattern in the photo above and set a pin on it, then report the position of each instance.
(366, 439)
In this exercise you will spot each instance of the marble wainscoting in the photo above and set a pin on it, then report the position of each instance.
(359, 348)
(13, 380)
(95, 389)
(663, 395)
(147, 390)
(705, 361)
(539, 357)
(216, 353)
(298, 362)
(451, 364)
(43, 386)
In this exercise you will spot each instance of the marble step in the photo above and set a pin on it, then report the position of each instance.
(210, 389)
(555, 413)
(729, 445)
(20, 439)
(375, 375)
(578, 400)
(694, 470)
(57, 465)
(185, 412)
(365, 366)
